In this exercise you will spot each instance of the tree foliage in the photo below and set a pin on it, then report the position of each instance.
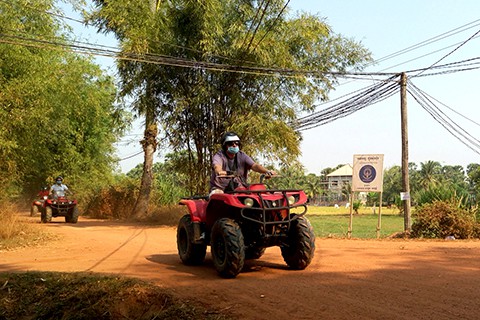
(57, 109)
(194, 106)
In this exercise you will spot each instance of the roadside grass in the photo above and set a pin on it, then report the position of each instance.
(17, 230)
(333, 222)
(51, 295)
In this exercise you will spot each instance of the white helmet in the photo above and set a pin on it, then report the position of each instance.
(228, 137)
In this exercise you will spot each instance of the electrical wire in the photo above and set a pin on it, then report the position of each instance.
(271, 25)
(449, 108)
(131, 156)
(369, 96)
(430, 40)
(179, 62)
(450, 53)
(439, 116)
(176, 62)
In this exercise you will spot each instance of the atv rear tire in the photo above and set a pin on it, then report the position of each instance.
(228, 248)
(300, 247)
(46, 215)
(190, 253)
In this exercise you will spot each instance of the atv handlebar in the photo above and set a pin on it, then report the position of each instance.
(263, 176)
(268, 176)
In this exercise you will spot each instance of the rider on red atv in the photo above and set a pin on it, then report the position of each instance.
(58, 204)
(59, 189)
(231, 159)
(239, 220)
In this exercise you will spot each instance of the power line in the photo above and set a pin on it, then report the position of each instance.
(423, 56)
(438, 115)
(340, 110)
(463, 65)
(258, 70)
(451, 52)
(430, 41)
(449, 108)
(87, 48)
(369, 96)
(271, 25)
(177, 62)
(258, 24)
(131, 156)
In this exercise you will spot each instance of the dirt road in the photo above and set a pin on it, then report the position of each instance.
(348, 279)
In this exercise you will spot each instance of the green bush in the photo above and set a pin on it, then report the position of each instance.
(440, 219)
(447, 193)
(356, 206)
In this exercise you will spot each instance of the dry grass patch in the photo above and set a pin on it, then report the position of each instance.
(17, 230)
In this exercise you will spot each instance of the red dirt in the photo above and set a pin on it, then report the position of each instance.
(348, 279)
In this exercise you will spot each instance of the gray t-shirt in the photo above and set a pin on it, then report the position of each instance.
(243, 164)
(58, 190)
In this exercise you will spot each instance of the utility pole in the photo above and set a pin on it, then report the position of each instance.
(405, 178)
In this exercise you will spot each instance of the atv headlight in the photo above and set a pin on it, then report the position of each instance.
(291, 200)
(248, 202)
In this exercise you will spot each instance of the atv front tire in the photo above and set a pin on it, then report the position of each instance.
(300, 247)
(190, 253)
(75, 215)
(72, 217)
(34, 211)
(46, 215)
(228, 248)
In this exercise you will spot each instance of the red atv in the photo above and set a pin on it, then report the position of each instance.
(240, 224)
(37, 204)
(59, 205)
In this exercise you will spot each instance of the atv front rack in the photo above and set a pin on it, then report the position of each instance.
(270, 206)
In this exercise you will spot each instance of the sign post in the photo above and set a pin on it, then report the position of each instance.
(368, 177)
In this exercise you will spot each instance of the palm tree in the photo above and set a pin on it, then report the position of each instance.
(429, 174)
(313, 186)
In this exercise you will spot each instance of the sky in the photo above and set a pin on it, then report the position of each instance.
(384, 27)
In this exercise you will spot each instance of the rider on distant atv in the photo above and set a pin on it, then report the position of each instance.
(59, 189)
(231, 159)
(43, 192)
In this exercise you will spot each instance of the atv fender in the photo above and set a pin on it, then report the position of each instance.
(197, 209)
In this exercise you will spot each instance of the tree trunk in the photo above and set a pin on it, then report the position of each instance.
(149, 144)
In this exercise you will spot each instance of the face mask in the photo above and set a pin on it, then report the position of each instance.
(59, 182)
(233, 150)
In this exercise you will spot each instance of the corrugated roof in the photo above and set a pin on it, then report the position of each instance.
(346, 170)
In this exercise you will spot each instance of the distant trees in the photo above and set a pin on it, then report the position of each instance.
(57, 109)
(430, 182)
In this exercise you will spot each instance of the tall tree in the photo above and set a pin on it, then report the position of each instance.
(473, 173)
(226, 65)
(429, 173)
(392, 185)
